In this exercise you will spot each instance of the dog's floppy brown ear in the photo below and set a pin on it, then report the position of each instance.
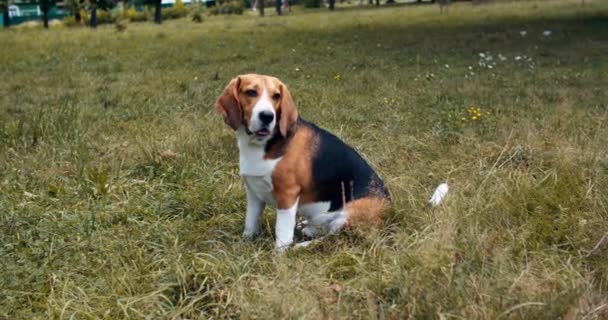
(289, 114)
(227, 104)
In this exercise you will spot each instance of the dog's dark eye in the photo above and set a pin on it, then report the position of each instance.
(276, 96)
(251, 93)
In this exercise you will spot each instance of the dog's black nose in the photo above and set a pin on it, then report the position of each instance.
(266, 117)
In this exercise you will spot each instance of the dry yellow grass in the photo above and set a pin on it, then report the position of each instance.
(120, 195)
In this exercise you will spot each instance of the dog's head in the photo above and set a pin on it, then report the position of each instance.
(258, 103)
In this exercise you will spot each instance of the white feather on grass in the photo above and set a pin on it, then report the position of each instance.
(440, 193)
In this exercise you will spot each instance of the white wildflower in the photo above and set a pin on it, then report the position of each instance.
(28, 194)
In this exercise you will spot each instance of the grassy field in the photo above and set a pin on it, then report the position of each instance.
(119, 187)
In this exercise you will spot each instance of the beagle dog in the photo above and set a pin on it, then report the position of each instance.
(295, 166)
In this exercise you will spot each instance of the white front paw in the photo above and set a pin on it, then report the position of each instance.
(282, 247)
(249, 234)
(309, 231)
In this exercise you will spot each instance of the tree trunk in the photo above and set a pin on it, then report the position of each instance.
(158, 17)
(390, 1)
(278, 6)
(77, 17)
(7, 18)
(332, 4)
(377, 2)
(44, 7)
(261, 7)
(93, 21)
(371, 2)
(45, 18)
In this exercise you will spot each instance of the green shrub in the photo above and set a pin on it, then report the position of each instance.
(179, 6)
(311, 3)
(104, 17)
(229, 7)
(129, 12)
(178, 10)
(121, 25)
(69, 21)
(170, 13)
(197, 14)
(133, 15)
(139, 16)
(84, 15)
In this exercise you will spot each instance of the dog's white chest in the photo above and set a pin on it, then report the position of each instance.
(261, 187)
(255, 170)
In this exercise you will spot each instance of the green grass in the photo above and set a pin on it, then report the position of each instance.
(119, 187)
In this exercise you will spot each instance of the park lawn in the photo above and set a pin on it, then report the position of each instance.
(119, 187)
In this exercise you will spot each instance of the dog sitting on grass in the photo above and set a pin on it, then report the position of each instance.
(295, 166)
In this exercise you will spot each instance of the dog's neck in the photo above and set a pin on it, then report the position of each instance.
(253, 153)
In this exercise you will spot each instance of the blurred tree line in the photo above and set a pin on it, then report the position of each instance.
(88, 11)
(79, 7)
